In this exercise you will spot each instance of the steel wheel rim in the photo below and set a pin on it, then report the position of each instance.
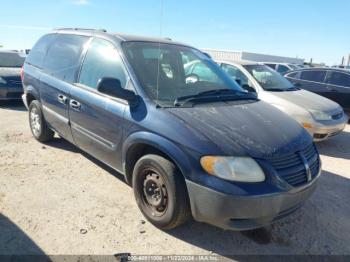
(35, 121)
(155, 194)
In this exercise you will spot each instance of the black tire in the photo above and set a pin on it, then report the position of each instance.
(170, 183)
(38, 126)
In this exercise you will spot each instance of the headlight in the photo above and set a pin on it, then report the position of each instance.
(241, 169)
(319, 115)
(2, 81)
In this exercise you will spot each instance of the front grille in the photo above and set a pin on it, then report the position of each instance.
(292, 169)
(337, 116)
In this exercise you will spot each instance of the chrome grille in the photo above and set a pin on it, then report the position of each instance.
(292, 168)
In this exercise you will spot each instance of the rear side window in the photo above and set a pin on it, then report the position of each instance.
(63, 57)
(38, 52)
(339, 79)
(273, 66)
(313, 75)
(102, 60)
(282, 69)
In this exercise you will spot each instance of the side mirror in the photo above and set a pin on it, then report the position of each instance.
(249, 88)
(238, 81)
(112, 87)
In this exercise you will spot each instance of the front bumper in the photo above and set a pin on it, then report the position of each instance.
(244, 212)
(323, 131)
(11, 93)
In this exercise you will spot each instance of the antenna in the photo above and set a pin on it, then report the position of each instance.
(160, 36)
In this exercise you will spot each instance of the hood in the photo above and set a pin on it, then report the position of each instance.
(252, 129)
(10, 72)
(306, 100)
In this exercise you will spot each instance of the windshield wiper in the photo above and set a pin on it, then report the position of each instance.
(282, 89)
(221, 94)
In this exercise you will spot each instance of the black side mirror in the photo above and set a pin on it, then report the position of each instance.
(112, 87)
(238, 81)
(248, 88)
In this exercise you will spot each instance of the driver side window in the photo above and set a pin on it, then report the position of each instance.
(236, 74)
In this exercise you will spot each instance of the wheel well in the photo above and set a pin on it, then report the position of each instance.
(30, 98)
(135, 153)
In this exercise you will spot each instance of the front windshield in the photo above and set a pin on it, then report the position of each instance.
(11, 60)
(268, 78)
(168, 72)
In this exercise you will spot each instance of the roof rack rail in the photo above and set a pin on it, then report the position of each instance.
(77, 28)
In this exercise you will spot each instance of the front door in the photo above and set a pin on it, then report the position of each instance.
(97, 119)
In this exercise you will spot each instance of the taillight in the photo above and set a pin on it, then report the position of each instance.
(22, 73)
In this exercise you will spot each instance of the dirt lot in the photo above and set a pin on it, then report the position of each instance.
(54, 199)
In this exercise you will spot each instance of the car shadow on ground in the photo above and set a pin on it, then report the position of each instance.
(16, 105)
(16, 245)
(319, 227)
(338, 146)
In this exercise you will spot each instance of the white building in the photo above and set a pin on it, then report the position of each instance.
(241, 55)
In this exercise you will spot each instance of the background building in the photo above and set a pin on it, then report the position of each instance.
(241, 55)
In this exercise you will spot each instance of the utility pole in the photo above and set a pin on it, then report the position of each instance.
(348, 61)
(342, 61)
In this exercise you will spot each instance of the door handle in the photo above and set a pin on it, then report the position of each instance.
(62, 99)
(75, 105)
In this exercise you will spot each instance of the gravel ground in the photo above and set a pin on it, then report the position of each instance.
(54, 199)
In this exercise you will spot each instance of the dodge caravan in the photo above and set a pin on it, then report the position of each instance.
(191, 145)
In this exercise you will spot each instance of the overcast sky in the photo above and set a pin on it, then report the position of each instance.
(296, 28)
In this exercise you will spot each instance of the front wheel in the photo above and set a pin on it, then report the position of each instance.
(37, 123)
(160, 192)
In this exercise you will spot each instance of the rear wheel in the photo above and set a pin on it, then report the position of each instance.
(160, 192)
(37, 123)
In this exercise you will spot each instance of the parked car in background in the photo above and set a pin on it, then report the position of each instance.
(321, 117)
(328, 82)
(283, 67)
(10, 75)
(182, 140)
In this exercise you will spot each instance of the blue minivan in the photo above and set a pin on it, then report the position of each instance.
(190, 144)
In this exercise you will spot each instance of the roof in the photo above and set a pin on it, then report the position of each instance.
(239, 62)
(9, 51)
(119, 37)
(127, 37)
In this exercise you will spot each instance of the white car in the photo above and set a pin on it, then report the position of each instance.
(282, 68)
(322, 117)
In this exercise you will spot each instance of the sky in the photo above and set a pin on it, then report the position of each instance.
(317, 29)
